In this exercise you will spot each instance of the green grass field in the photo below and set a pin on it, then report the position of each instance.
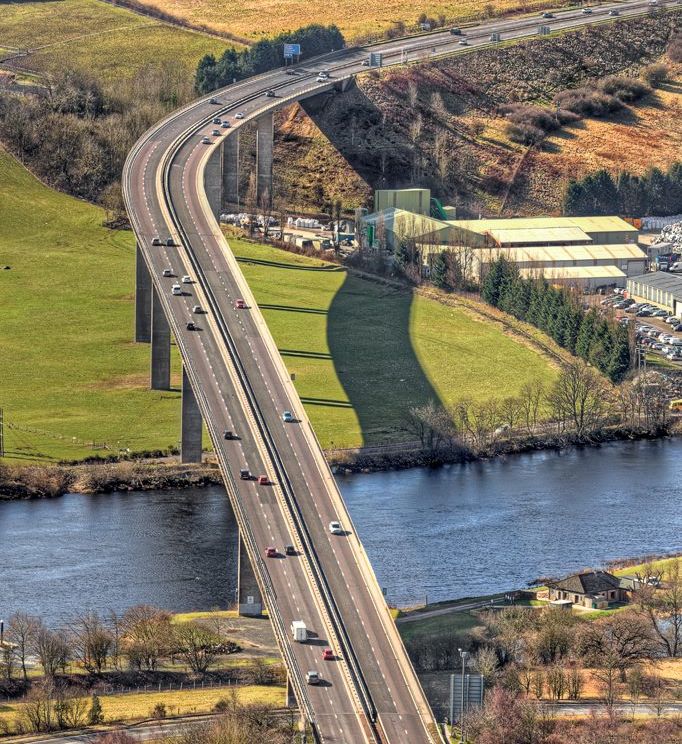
(69, 367)
(108, 42)
(363, 353)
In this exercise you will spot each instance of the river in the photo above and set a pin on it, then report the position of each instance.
(457, 531)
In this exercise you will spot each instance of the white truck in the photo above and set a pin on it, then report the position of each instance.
(299, 631)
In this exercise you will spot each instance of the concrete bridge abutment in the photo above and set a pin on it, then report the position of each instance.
(191, 423)
(249, 598)
(143, 299)
(265, 136)
(160, 362)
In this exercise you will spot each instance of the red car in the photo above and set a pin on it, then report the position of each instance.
(328, 655)
(240, 304)
(263, 480)
(271, 552)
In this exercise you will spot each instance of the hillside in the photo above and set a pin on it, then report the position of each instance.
(357, 20)
(110, 43)
(70, 373)
(363, 353)
(437, 124)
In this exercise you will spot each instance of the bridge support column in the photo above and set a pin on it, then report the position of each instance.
(264, 143)
(190, 441)
(160, 368)
(143, 299)
(248, 593)
(231, 172)
(291, 697)
(213, 181)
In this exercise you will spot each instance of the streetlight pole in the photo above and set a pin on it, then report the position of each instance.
(463, 656)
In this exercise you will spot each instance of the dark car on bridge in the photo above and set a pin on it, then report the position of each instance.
(245, 474)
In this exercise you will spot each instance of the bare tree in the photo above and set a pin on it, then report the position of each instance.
(661, 603)
(197, 645)
(531, 396)
(22, 630)
(433, 425)
(579, 396)
(53, 649)
(147, 636)
(92, 641)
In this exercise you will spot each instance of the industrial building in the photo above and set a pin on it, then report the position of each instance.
(658, 288)
(586, 252)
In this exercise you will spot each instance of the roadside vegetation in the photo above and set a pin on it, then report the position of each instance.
(143, 663)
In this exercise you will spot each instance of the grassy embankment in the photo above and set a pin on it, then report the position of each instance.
(71, 374)
(354, 18)
(363, 353)
(108, 42)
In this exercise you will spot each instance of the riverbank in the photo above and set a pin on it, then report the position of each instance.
(39, 482)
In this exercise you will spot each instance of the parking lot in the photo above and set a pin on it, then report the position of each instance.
(656, 330)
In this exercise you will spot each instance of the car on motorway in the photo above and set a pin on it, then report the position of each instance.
(263, 480)
(186, 279)
(328, 655)
(216, 120)
(229, 434)
(167, 272)
(587, 11)
(214, 101)
(226, 124)
(197, 310)
(320, 79)
(239, 304)
(312, 678)
(215, 133)
(205, 140)
(156, 241)
(287, 417)
(170, 242)
(271, 552)
(365, 63)
(239, 115)
(290, 550)
(463, 41)
(176, 289)
(270, 94)
(245, 474)
(191, 326)
(455, 31)
(547, 14)
(335, 528)
(614, 12)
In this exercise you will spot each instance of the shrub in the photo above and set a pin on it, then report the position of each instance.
(655, 74)
(675, 48)
(534, 116)
(624, 89)
(158, 711)
(525, 134)
(587, 102)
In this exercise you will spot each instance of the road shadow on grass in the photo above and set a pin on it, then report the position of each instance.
(368, 332)
(284, 265)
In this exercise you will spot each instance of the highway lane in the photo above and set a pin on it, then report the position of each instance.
(335, 705)
(395, 692)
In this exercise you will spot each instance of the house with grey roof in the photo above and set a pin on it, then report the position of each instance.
(591, 589)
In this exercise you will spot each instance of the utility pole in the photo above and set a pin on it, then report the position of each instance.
(2, 433)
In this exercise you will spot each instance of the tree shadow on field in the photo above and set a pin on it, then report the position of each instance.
(368, 332)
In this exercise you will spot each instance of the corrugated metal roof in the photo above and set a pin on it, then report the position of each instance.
(550, 253)
(413, 224)
(540, 235)
(587, 224)
(575, 272)
(660, 280)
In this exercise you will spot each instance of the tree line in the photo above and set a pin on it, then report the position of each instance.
(264, 55)
(600, 341)
(657, 192)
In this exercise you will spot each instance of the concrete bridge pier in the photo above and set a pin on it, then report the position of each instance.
(143, 299)
(265, 131)
(230, 149)
(213, 181)
(248, 594)
(160, 366)
(190, 440)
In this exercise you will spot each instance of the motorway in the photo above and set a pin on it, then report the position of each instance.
(242, 385)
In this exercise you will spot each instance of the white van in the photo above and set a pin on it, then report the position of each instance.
(299, 631)
(176, 289)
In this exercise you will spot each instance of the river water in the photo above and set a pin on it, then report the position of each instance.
(457, 531)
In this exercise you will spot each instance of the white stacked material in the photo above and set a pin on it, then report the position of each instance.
(671, 234)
